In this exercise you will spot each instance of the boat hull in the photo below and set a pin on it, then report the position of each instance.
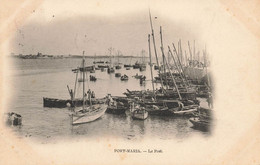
(63, 103)
(201, 124)
(139, 115)
(116, 110)
(86, 117)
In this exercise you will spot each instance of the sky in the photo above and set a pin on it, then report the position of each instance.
(69, 27)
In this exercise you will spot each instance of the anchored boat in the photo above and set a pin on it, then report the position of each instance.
(87, 113)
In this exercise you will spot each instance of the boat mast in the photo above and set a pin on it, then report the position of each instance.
(74, 93)
(83, 80)
(206, 64)
(182, 71)
(110, 52)
(192, 66)
(177, 66)
(164, 59)
(175, 85)
(151, 66)
(155, 52)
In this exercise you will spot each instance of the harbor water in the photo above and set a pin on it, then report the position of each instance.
(33, 79)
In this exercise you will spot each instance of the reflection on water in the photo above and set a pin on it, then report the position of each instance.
(34, 79)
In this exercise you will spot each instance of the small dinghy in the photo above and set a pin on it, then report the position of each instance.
(14, 119)
(138, 112)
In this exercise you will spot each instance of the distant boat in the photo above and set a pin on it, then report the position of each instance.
(138, 112)
(118, 67)
(14, 119)
(98, 62)
(124, 77)
(92, 78)
(110, 70)
(118, 75)
(87, 113)
(127, 65)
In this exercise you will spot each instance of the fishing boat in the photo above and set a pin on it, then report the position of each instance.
(87, 113)
(185, 110)
(203, 119)
(138, 112)
(124, 77)
(199, 123)
(63, 103)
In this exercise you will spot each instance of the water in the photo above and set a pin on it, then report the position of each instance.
(33, 79)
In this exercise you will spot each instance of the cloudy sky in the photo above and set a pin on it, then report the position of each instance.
(69, 27)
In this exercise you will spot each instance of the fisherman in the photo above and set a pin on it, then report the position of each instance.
(210, 101)
(71, 94)
(93, 94)
(110, 100)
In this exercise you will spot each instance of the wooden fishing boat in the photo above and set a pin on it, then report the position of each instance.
(87, 113)
(63, 103)
(185, 111)
(116, 108)
(199, 123)
(138, 112)
(203, 119)
(158, 110)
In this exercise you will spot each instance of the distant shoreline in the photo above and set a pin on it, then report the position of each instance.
(69, 56)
